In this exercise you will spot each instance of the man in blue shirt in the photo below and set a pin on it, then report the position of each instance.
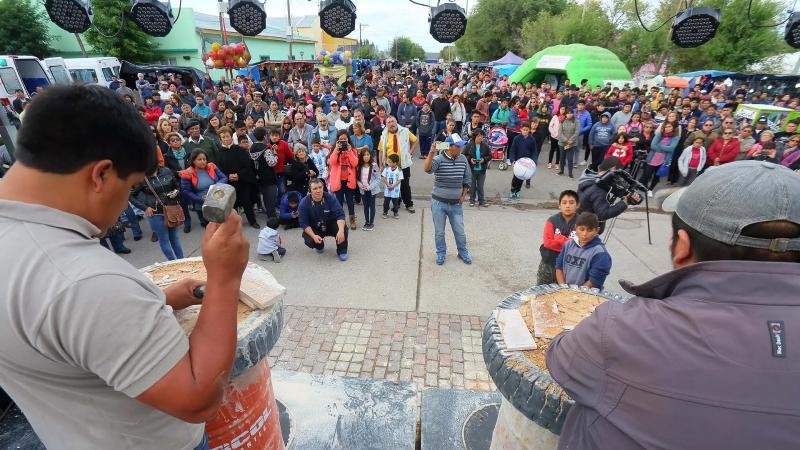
(320, 216)
(200, 108)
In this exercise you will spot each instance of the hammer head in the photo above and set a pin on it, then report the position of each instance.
(219, 202)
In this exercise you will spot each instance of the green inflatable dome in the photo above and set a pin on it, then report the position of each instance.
(577, 61)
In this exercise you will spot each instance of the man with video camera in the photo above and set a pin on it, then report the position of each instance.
(594, 188)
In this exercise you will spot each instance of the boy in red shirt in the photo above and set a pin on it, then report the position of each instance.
(557, 230)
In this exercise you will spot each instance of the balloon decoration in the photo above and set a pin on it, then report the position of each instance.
(329, 58)
(231, 56)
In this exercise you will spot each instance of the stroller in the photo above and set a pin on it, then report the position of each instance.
(498, 140)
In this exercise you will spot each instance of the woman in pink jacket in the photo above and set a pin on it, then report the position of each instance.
(343, 160)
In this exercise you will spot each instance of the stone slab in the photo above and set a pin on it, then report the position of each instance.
(445, 413)
(331, 412)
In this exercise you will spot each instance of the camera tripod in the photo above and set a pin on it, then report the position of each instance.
(646, 208)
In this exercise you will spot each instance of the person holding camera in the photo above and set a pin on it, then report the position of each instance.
(320, 215)
(593, 196)
(342, 182)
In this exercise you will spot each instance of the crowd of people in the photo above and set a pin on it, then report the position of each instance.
(276, 135)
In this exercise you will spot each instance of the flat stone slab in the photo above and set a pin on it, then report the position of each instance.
(458, 420)
(330, 412)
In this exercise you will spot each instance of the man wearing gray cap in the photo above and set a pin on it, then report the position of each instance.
(706, 356)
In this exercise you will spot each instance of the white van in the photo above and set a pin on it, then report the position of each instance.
(21, 72)
(93, 70)
(58, 70)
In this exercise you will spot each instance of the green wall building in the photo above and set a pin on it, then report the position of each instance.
(192, 35)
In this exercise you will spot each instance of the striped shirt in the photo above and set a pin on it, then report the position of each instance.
(452, 174)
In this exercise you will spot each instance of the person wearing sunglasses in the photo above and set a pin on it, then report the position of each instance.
(724, 149)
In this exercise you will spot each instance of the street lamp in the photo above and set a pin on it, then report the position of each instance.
(74, 16)
(448, 22)
(247, 17)
(337, 17)
(152, 16)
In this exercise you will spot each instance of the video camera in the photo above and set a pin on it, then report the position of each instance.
(621, 184)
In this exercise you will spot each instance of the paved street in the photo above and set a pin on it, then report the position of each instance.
(390, 312)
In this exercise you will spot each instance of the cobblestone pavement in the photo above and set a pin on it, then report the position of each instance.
(431, 350)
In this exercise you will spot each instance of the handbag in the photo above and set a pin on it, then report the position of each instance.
(663, 170)
(173, 214)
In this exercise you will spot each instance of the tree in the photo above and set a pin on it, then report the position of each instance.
(128, 43)
(404, 49)
(23, 29)
(367, 51)
(448, 53)
(571, 26)
(495, 26)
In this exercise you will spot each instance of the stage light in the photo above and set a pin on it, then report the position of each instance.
(792, 34)
(247, 16)
(337, 17)
(153, 17)
(74, 16)
(448, 22)
(695, 26)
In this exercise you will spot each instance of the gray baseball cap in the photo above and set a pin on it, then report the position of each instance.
(726, 199)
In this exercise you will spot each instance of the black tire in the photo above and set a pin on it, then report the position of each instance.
(529, 388)
(253, 348)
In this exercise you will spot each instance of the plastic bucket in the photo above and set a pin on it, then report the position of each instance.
(248, 417)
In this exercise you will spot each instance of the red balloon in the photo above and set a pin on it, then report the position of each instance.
(222, 52)
(229, 63)
(213, 54)
(219, 64)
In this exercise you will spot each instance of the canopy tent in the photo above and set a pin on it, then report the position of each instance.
(509, 58)
(577, 62)
(676, 82)
(505, 69)
(700, 73)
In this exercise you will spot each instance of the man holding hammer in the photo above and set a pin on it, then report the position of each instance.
(89, 347)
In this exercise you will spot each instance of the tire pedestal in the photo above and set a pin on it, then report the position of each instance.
(248, 417)
(534, 406)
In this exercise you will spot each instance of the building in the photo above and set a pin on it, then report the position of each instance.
(192, 36)
(309, 26)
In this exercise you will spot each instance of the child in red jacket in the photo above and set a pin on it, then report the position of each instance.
(557, 231)
(621, 148)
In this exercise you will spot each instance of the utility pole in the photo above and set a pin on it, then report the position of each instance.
(361, 27)
(289, 29)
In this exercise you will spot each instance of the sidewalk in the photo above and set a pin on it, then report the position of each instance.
(432, 350)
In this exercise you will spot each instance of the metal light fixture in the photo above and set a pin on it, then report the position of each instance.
(337, 17)
(792, 34)
(695, 26)
(448, 22)
(247, 16)
(153, 17)
(74, 16)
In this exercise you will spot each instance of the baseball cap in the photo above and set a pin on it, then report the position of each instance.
(343, 108)
(334, 103)
(727, 198)
(455, 139)
(762, 120)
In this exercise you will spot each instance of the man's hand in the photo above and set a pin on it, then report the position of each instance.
(634, 196)
(294, 214)
(180, 295)
(318, 239)
(225, 250)
(339, 237)
(149, 212)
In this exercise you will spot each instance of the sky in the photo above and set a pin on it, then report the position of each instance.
(385, 19)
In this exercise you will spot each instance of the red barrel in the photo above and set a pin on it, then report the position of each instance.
(248, 417)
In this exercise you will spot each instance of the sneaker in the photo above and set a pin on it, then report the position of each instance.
(527, 185)
(650, 194)
(320, 250)
(582, 163)
(255, 225)
(370, 227)
(511, 196)
(471, 203)
(154, 238)
(276, 256)
(186, 229)
(485, 205)
(137, 238)
(122, 250)
(343, 257)
(467, 260)
(549, 165)
(439, 260)
(385, 216)
(410, 209)
(396, 215)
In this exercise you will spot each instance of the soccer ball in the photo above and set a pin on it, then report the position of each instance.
(524, 169)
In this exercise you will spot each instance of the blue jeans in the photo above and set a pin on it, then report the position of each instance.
(441, 212)
(346, 194)
(134, 221)
(185, 206)
(281, 188)
(425, 143)
(438, 126)
(167, 237)
(203, 445)
(116, 242)
(368, 198)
